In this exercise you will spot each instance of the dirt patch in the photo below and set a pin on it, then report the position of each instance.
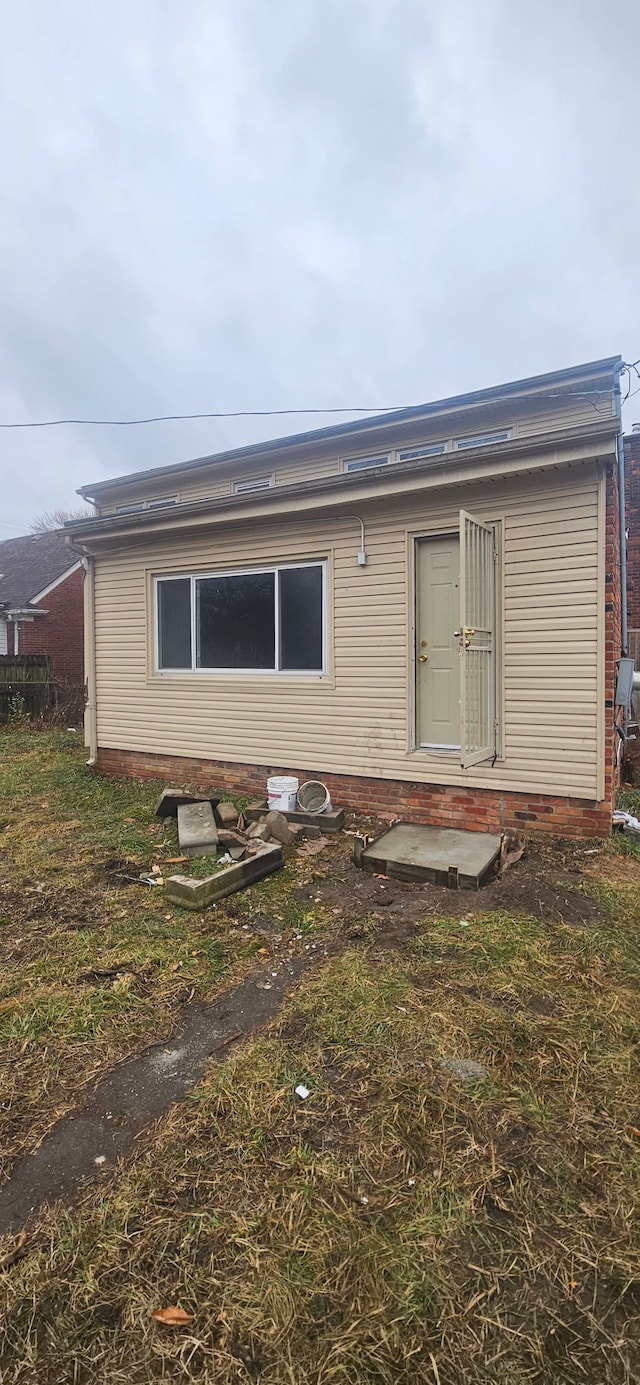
(547, 884)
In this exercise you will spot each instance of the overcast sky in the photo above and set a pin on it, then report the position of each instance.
(234, 204)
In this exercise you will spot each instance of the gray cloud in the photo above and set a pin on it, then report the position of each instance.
(238, 205)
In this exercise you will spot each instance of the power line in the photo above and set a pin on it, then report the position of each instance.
(174, 418)
(593, 396)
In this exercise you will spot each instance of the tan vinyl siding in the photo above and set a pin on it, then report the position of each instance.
(357, 719)
(314, 462)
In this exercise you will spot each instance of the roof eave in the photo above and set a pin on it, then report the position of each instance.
(346, 488)
(555, 381)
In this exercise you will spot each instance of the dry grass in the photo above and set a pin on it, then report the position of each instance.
(397, 1227)
(68, 840)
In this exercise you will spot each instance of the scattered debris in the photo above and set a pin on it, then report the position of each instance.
(313, 847)
(197, 832)
(100, 1159)
(229, 837)
(625, 822)
(511, 851)
(227, 814)
(19, 1251)
(464, 1068)
(172, 1317)
(302, 1091)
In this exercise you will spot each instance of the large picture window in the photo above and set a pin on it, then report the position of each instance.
(270, 619)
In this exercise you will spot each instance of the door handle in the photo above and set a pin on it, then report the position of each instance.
(423, 658)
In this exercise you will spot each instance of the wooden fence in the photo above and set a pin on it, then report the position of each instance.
(25, 684)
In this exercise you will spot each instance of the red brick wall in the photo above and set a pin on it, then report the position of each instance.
(481, 810)
(60, 633)
(632, 497)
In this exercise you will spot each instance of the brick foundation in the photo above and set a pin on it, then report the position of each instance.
(483, 810)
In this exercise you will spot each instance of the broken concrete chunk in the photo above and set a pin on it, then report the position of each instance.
(197, 894)
(237, 853)
(227, 837)
(171, 799)
(227, 814)
(197, 832)
(259, 831)
(279, 827)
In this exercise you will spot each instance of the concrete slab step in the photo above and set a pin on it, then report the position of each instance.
(441, 855)
(197, 831)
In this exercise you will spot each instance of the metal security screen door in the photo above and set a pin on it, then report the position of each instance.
(477, 641)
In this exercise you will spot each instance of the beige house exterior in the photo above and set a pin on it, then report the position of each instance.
(418, 608)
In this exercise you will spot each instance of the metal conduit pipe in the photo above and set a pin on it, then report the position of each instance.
(622, 515)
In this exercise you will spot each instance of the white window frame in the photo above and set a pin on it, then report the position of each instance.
(482, 439)
(414, 453)
(136, 507)
(253, 483)
(373, 459)
(276, 672)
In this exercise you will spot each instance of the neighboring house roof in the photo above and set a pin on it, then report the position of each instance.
(30, 566)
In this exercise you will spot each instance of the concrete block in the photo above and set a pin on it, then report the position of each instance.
(197, 894)
(227, 837)
(259, 831)
(440, 855)
(197, 832)
(227, 814)
(325, 822)
(279, 827)
(171, 799)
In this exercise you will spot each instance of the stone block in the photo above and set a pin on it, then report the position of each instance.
(259, 831)
(227, 837)
(197, 894)
(227, 814)
(171, 799)
(332, 821)
(197, 832)
(279, 827)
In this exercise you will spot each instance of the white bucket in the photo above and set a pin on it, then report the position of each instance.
(282, 792)
(313, 797)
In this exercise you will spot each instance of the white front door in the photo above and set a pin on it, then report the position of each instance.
(437, 649)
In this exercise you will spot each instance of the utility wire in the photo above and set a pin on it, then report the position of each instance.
(593, 397)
